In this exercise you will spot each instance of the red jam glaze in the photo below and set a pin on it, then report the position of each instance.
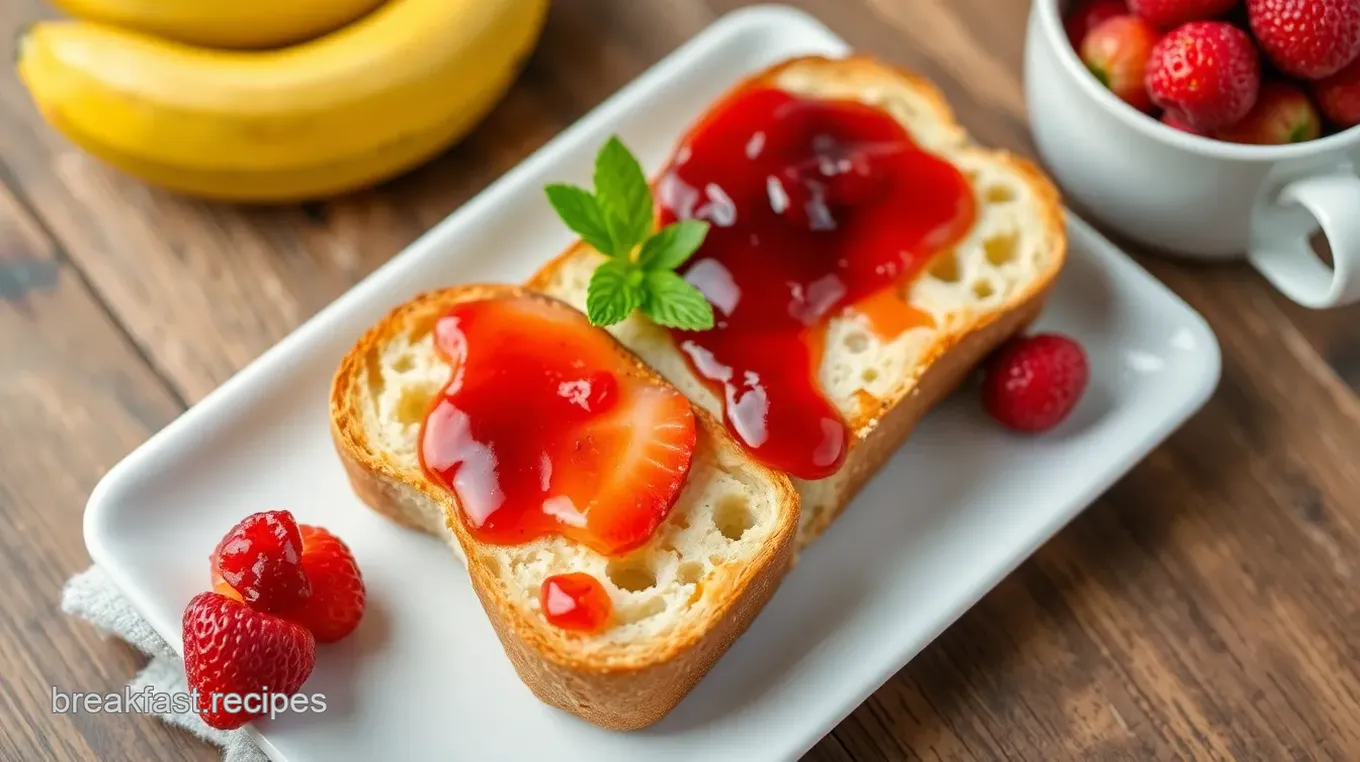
(816, 206)
(575, 601)
(541, 429)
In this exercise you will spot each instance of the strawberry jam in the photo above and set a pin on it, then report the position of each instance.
(815, 207)
(545, 429)
(575, 602)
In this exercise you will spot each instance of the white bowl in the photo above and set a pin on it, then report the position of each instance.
(1190, 195)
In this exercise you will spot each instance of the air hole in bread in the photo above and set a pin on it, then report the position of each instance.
(869, 375)
(374, 377)
(631, 574)
(1001, 248)
(733, 516)
(999, 194)
(689, 572)
(403, 364)
(413, 403)
(945, 267)
(696, 595)
(983, 289)
(857, 342)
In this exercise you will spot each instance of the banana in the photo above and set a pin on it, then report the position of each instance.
(224, 23)
(328, 116)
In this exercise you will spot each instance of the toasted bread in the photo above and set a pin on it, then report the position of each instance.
(679, 601)
(990, 286)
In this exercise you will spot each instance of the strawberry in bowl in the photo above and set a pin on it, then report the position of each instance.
(1117, 52)
(1239, 145)
(1206, 74)
(1309, 39)
(1197, 66)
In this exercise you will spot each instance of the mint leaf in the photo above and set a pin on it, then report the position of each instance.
(671, 301)
(622, 236)
(672, 245)
(615, 290)
(623, 192)
(618, 218)
(582, 213)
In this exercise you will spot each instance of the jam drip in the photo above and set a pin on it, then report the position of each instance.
(816, 206)
(575, 601)
(544, 430)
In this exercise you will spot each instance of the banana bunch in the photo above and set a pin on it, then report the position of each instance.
(188, 95)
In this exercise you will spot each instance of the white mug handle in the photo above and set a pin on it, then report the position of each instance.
(1280, 249)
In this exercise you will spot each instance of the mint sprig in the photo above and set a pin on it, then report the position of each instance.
(619, 220)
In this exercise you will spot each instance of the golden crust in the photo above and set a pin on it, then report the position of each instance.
(624, 693)
(634, 693)
(881, 425)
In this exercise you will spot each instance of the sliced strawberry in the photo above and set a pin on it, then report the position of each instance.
(546, 429)
(219, 584)
(626, 471)
(260, 558)
(338, 597)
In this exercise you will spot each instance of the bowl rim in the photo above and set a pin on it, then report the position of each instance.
(1054, 35)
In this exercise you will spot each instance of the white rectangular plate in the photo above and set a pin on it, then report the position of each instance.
(424, 677)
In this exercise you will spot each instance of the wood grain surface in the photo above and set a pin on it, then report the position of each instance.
(1207, 607)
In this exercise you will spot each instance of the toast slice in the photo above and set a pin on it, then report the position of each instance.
(679, 601)
(979, 294)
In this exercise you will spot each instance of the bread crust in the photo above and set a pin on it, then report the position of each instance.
(623, 693)
(881, 425)
(633, 693)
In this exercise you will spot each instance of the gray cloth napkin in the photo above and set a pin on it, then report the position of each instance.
(92, 596)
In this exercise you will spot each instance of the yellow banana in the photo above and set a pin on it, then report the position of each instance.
(327, 116)
(224, 23)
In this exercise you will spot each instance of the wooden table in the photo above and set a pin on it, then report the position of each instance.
(1206, 607)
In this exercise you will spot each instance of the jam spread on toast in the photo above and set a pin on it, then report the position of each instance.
(816, 207)
(546, 428)
(575, 601)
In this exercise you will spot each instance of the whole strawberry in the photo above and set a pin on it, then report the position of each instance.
(1205, 74)
(1165, 14)
(261, 559)
(233, 652)
(1311, 39)
(337, 601)
(1174, 123)
(1338, 96)
(1033, 383)
(1283, 114)
(1088, 16)
(1117, 53)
